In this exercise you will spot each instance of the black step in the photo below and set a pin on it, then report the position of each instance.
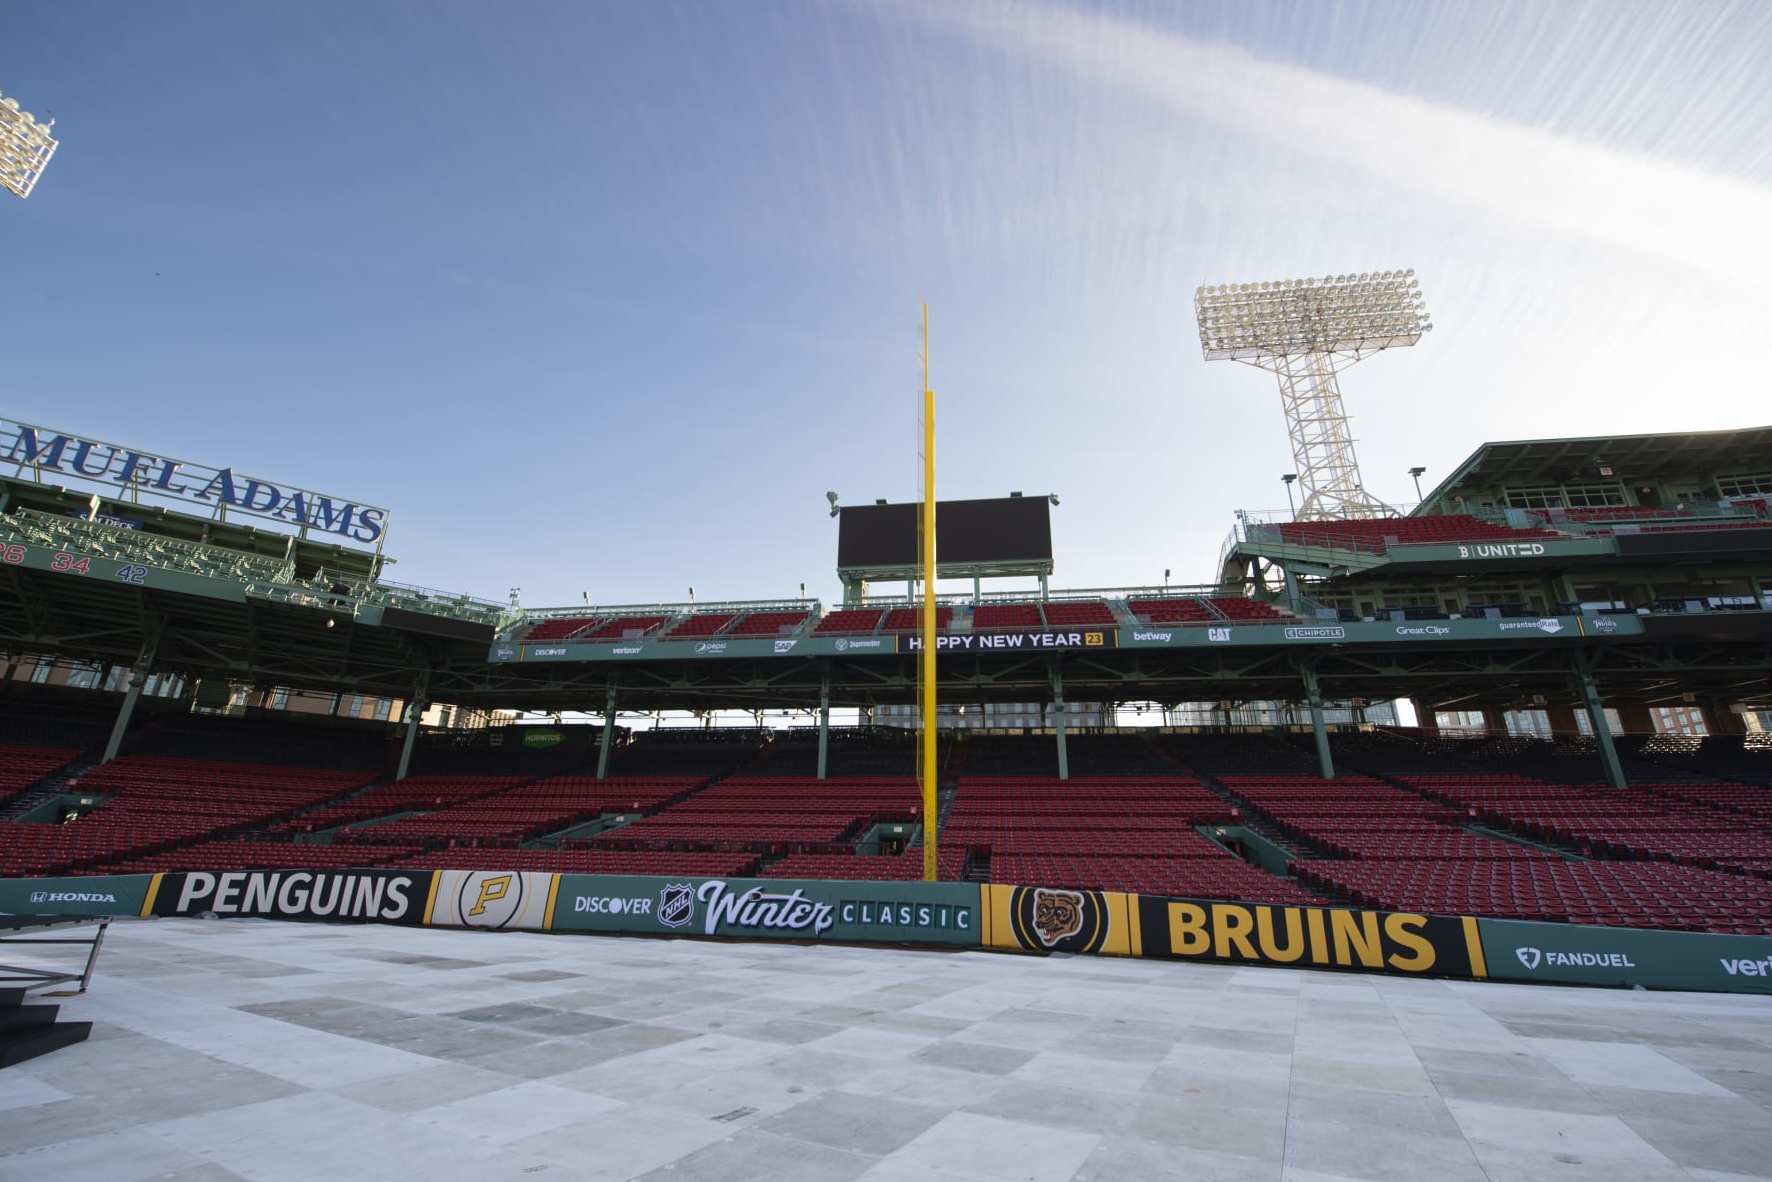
(26, 1017)
(18, 1047)
(10, 998)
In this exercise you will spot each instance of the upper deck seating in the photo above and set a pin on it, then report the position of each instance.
(1177, 610)
(700, 626)
(1377, 534)
(769, 623)
(558, 628)
(1006, 617)
(625, 627)
(910, 619)
(1078, 613)
(850, 621)
(1244, 610)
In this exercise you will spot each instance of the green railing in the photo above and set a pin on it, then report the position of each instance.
(127, 545)
(263, 576)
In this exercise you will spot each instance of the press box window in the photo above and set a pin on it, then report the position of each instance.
(1745, 486)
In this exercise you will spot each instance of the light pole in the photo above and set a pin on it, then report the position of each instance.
(1416, 474)
(1287, 481)
(1305, 331)
(25, 148)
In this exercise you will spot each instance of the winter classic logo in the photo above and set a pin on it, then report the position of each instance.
(676, 904)
(489, 900)
(1045, 919)
(759, 909)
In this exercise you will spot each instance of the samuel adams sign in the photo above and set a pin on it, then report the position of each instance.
(216, 489)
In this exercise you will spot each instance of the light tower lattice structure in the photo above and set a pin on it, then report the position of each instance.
(1305, 332)
(25, 148)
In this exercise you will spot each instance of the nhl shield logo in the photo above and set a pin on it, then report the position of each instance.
(676, 904)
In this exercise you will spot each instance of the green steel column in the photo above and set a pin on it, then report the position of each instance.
(1064, 758)
(608, 734)
(824, 720)
(415, 706)
(1325, 764)
(138, 677)
(1596, 714)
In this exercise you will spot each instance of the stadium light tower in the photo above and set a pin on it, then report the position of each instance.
(1305, 331)
(25, 148)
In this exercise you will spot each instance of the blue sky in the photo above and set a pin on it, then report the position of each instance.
(603, 297)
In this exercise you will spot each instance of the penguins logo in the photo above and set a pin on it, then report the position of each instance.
(488, 899)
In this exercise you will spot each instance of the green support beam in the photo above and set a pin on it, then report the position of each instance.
(1596, 714)
(415, 707)
(824, 720)
(608, 733)
(1314, 694)
(1064, 758)
(138, 677)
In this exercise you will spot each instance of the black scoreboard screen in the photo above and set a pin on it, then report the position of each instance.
(1000, 529)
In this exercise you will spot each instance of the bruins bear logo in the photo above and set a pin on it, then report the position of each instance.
(1058, 915)
(1051, 919)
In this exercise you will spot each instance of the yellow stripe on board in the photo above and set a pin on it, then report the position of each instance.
(431, 898)
(153, 893)
(1134, 932)
(547, 919)
(1473, 944)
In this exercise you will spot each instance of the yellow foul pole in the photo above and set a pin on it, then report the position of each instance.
(926, 672)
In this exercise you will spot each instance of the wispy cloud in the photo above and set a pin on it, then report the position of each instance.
(1527, 175)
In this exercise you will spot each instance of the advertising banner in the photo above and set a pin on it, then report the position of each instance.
(491, 899)
(1050, 919)
(1308, 937)
(881, 912)
(379, 896)
(1522, 553)
(98, 894)
(1014, 642)
(1302, 632)
(1576, 954)
(1404, 632)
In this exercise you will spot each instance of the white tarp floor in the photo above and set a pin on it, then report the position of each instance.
(259, 1050)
